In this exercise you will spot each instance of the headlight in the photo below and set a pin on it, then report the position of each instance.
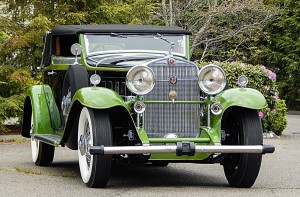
(140, 80)
(211, 79)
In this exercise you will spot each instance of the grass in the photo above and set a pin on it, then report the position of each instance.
(68, 174)
(29, 171)
(13, 140)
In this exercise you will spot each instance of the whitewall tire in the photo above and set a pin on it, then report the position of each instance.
(94, 129)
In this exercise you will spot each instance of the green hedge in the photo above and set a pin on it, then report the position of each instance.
(264, 80)
(13, 85)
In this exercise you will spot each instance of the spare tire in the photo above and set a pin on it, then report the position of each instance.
(75, 78)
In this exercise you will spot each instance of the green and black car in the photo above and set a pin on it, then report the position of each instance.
(129, 94)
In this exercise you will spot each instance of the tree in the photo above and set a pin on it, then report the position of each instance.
(280, 49)
(23, 23)
(13, 85)
(214, 22)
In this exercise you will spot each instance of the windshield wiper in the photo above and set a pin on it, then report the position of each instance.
(117, 35)
(159, 36)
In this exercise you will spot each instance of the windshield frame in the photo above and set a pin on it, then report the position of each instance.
(180, 46)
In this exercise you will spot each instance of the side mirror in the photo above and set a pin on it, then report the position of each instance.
(76, 50)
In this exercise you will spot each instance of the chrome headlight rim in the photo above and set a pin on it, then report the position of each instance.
(221, 88)
(129, 80)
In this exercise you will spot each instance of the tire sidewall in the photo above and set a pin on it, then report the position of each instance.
(248, 165)
(35, 146)
(85, 171)
(97, 174)
(34, 143)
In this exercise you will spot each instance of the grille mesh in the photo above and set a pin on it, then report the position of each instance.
(181, 119)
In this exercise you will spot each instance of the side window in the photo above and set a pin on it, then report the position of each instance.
(62, 49)
(63, 44)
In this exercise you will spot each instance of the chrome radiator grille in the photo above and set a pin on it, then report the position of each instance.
(181, 119)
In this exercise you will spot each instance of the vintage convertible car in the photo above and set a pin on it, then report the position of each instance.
(129, 94)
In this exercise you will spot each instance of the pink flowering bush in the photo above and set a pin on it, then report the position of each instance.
(264, 80)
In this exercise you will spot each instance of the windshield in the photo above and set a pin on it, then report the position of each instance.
(97, 44)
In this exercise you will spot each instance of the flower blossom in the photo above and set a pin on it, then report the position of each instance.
(276, 98)
(261, 114)
(233, 62)
(243, 65)
(271, 75)
(266, 88)
(273, 111)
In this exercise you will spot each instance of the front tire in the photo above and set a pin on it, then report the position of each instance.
(42, 154)
(94, 129)
(242, 127)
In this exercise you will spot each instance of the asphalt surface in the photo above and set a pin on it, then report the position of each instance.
(279, 174)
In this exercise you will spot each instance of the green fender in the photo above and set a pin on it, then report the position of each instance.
(96, 98)
(241, 97)
(46, 118)
(99, 98)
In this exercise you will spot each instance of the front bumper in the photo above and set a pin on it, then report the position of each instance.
(182, 148)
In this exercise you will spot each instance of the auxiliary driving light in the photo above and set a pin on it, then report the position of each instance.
(139, 107)
(242, 81)
(216, 108)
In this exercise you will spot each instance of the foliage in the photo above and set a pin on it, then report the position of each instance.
(280, 48)
(26, 22)
(23, 44)
(13, 86)
(222, 29)
(263, 80)
(274, 120)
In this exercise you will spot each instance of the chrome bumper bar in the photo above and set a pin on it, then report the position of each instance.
(181, 149)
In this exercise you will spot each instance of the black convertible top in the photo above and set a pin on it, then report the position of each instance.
(77, 29)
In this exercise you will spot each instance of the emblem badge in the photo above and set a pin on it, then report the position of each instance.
(173, 80)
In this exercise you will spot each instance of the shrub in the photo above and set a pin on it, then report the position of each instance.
(13, 85)
(264, 80)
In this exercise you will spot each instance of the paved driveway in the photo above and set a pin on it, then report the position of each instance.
(279, 175)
